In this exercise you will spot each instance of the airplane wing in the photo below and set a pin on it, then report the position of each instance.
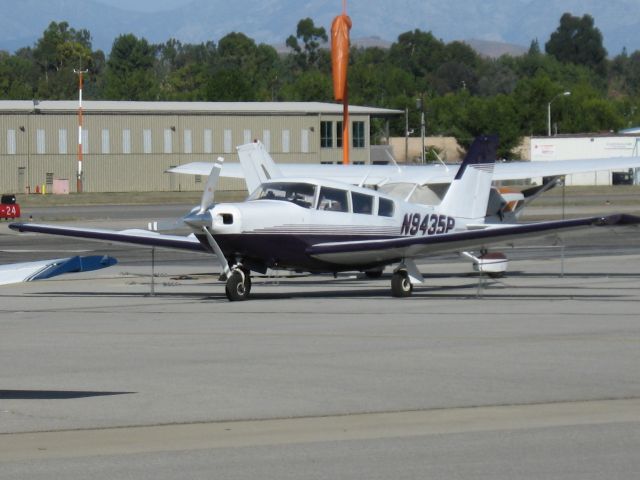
(43, 269)
(136, 237)
(353, 174)
(422, 174)
(522, 170)
(371, 251)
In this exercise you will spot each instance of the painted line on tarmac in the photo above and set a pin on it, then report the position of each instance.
(237, 434)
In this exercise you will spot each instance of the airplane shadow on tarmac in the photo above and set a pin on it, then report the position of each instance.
(53, 394)
(360, 287)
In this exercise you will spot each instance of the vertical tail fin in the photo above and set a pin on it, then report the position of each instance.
(468, 193)
(257, 165)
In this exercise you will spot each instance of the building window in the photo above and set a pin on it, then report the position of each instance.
(208, 141)
(49, 178)
(228, 140)
(40, 141)
(358, 135)
(266, 139)
(62, 141)
(286, 140)
(326, 134)
(126, 141)
(247, 136)
(146, 141)
(339, 134)
(304, 140)
(11, 142)
(105, 141)
(187, 141)
(168, 141)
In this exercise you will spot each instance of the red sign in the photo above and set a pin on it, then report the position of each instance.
(9, 210)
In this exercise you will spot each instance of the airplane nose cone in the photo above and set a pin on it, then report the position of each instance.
(198, 220)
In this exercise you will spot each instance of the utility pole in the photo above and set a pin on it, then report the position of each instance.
(423, 126)
(79, 177)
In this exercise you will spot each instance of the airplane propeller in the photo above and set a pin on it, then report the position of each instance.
(202, 217)
(210, 187)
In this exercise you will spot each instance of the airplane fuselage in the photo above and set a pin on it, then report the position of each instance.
(267, 232)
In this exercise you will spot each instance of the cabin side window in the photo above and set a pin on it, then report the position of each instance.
(333, 199)
(302, 194)
(385, 207)
(362, 203)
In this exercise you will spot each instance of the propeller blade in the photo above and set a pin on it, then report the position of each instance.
(209, 189)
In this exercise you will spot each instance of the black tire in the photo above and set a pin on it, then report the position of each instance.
(401, 285)
(237, 290)
(376, 273)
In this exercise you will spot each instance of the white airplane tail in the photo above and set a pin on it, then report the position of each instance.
(257, 165)
(468, 193)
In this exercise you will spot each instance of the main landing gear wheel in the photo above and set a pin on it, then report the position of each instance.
(400, 284)
(238, 286)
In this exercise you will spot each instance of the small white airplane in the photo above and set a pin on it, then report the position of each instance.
(326, 226)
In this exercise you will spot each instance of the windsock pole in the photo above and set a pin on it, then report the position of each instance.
(79, 177)
(345, 110)
(339, 65)
(345, 127)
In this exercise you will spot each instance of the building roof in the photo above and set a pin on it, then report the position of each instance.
(630, 131)
(569, 136)
(211, 108)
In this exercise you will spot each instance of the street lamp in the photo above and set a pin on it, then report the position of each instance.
(563, 94)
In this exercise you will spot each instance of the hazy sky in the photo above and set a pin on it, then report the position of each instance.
(145, 5)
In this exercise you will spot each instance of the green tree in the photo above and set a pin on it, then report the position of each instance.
(308, 54)
(310, 86)
(18, 77)
(130, 71)
(184, 70)
(531, 97)
(255, 67)
(418, 53)
(578, 41)
(586, 110)
(57, 53)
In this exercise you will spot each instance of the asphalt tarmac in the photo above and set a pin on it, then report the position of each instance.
(535, 375)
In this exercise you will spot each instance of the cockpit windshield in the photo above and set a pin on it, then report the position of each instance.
(302, 194)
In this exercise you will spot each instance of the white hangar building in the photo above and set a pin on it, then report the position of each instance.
(570, 147)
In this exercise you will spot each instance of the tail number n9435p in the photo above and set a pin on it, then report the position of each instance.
(416, 224)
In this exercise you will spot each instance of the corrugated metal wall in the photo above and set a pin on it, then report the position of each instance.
(109, 166)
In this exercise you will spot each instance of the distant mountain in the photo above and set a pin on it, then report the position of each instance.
(271, 21)
(491, 49)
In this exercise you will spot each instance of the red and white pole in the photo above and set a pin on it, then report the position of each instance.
(79, 178)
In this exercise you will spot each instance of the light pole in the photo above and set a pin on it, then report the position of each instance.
(423, 126)
(563, 94)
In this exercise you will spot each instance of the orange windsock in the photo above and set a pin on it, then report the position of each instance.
(340, 54)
